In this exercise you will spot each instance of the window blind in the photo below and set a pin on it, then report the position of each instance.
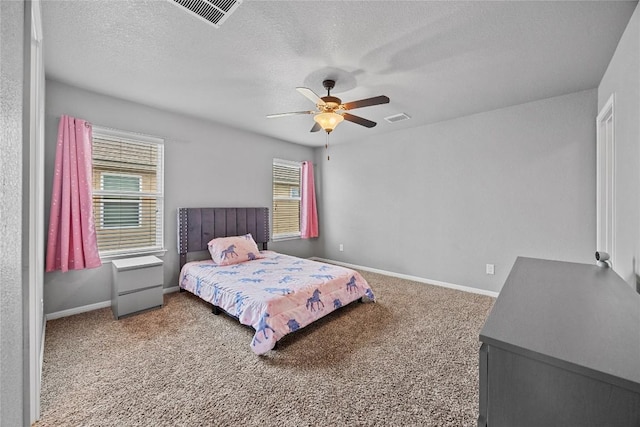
(128, 192)
(286, 199)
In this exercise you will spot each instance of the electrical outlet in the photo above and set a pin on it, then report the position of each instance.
(491, 269)
(341, 247)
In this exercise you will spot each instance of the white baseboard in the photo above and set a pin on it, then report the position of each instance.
(96, 306)
(78, 310)
(44, 334)
(412, 278)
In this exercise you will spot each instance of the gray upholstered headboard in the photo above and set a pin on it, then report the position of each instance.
(197, 226)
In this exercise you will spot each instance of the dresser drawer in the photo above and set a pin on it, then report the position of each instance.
(139, 300)
(138, 278)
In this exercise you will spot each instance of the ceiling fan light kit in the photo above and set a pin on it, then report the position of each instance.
(328, 121)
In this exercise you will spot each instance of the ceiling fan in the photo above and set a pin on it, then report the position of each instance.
(331, 111)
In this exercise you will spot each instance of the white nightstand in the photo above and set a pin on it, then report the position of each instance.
(137, 285)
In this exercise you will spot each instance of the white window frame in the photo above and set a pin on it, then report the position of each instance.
(291, 164)
(120, 193)
(132, 137)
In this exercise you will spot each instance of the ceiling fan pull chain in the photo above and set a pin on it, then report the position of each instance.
(326, 146)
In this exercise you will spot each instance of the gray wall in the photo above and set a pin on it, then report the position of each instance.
(441, 201)
(623, 78)
(14, 366)
(206, 164)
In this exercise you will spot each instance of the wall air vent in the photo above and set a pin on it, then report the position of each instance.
(397, 118)
(214, 12)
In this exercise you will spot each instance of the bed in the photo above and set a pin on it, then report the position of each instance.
(274, 293)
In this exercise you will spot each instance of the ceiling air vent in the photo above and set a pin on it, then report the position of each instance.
(397, 118)
(212, 11)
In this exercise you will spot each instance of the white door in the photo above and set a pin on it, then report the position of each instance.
(605, 178)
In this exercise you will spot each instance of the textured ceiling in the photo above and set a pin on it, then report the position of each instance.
(436, 60)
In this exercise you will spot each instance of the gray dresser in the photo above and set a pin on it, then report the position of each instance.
(137, 285)
(561, 347)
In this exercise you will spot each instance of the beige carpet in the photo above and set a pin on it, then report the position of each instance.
(411, 359)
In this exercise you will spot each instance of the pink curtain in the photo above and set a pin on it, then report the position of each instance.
(72, 243)
(308, 211)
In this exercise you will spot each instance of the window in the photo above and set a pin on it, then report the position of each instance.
(127, 192)
(286, 199)
(118, 212)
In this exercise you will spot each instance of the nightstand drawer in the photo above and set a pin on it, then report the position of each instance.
(139, 278)
(139, 300)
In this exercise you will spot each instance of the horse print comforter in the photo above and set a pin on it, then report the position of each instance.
(275, 295)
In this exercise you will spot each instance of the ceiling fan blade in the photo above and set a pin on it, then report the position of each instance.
(316, 127)
(293, 113)
(311, 95)
(376, 100)
(358, 120)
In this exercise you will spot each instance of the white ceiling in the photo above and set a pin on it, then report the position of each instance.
(436, 60)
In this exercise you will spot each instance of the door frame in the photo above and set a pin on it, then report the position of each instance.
(36, 211)
(605, 179)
